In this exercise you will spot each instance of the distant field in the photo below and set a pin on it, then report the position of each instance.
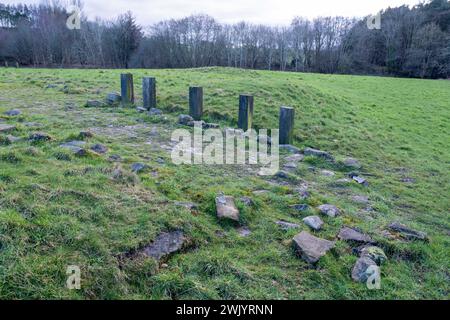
(57, 209)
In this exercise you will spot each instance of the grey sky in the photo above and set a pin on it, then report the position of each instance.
(274, 12)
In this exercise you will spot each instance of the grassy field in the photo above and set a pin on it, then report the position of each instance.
(57, 209)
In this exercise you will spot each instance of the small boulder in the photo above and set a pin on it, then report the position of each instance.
(361, 271)
(76, 147)
(352, 163)
(4, 128)
(94, 104)
(314, 222)
(329, 210)
(311, 248)
(226, 208)
(376, 254)
(287, 225)
(141, 109)
(408, 233)
(360, 199)
(165, 244)
(353, 235)
(300, 207)
(244, 232)
(295, 158)
(317, 153)
(99, 148)
(360, 180)
(327, 173)
(39, 137)
(187, 205)
(86, 135)
(138, 167)
(12, 113)
(155, 112)
(247, 201)
(113, 98)
(185, 119)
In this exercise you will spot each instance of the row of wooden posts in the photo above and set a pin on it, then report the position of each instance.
(245, 114)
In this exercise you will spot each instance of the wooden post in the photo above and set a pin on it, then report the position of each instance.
(196, 102)
(286, 125)
(127, 89)
(245, 112)
(149, 92)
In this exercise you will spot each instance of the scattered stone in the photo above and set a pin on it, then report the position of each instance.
(282, 175)
(327, 173)
(352, 163)
(226, 208)
(99, 148)
(317, 153)
(155, 112)
(408, 180)
(113, 98)
(185, 119)
(290, 166)
(187, 205)
(360, 180)
(141, 109)
(353, 235)
(408, 233)
(12, 113)
(11, 139)
(164, 266)
(94, 104)
(287, 225)
(211, 126)
(314, 222)
(165, 244)
(329, 210)
(300, 207)
(289, 148)
(32, 124)
(244, 231)
(361, 271)
(386, 234)
(40, 136)
(295, 158)
(312, 248)
(86, 135)
(51, 86)
(376, 254)
(247, 201)
(115, 158)
(260, 192)
(138, 167)
(4, 128)
(360, 199)
(343, 181)
(76, 147)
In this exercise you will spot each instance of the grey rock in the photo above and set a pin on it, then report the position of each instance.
(290, 166)
(185, 119)
(295, 158)
(353, 235)
(360, 272)
(94, 104)
(376, 254)
(187, 205)
(76, 147)
(226, 208)
(314, 222)
(11, 139)
(244, 231)
(329, 210)
(327, 173)
(86, 135)
(352, 163)
(287, 225)
(12, 113)
(155, 112)
(4, 128)
(310, 247)
(99, 148)
(282, 175)
(360, 180)
(289, 148)
(115, 158)
(40, 136)
(141, 109)
(138, 167)
(317, 153)
(260, 192)
(408, 233)
(113, 98)
(247, 201)
(360, 199)
(165, 244)
(300, 207)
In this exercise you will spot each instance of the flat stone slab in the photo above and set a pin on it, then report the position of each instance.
(165, 244)
(99, 148)
(408, 233)
(138, 167)
(312, 248)
(329, 210)
(12, 113)
(317, 153)
(314, 222)
(226, 208)
(287, 225)
(353, 235)
(76, 147)
(295, 158)
(4, 128)
(361, 271)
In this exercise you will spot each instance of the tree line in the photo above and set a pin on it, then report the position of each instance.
(412, 42)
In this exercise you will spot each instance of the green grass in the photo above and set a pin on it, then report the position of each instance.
(57, 209)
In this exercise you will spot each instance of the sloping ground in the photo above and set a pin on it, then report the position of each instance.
(59, 209)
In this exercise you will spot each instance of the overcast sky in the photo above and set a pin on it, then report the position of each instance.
(274, 12)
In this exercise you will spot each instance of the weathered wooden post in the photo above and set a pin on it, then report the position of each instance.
(127, 89)
(196, 102)
(245, 112)
(286, 125)
(149, 92)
